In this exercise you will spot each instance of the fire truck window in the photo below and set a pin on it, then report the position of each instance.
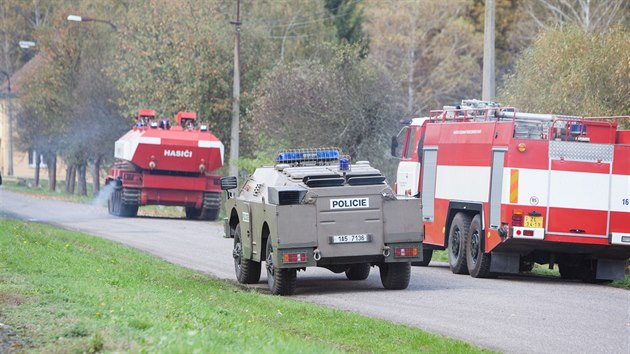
(411, 138)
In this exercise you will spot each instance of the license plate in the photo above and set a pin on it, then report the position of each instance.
(533, 221)
(350, 238)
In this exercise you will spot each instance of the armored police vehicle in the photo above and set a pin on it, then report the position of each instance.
(314, 208)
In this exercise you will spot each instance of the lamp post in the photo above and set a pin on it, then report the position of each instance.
(9, 127)
(76, 18)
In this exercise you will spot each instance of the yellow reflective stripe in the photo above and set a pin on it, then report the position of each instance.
(514, 186)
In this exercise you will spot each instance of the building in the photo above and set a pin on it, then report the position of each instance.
(23, 161)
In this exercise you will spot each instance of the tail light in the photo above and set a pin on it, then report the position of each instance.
(405, 251)
(299, 257)
(517, 218)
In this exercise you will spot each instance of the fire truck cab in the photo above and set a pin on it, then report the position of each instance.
(502, 190)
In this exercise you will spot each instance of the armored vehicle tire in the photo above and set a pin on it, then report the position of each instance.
(457, 243)
(247, 271)
(569, 271)
(192, 213)
(281, 281)
(395, 276)
(426, 258)
(478, 262)
(525, 266)
(358, 271)
(210, 214)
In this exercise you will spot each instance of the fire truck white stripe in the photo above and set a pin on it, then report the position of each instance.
(471, 183)
(572, 190)
(150, 140)
(212, 144)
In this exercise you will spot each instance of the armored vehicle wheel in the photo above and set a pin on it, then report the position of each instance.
(569, 271)
(281, 281)
(457, 243)
(426, 258)
(210, 214)
(247, 270)
(358, 271)
(525, 266)
(192, 213)
(477, 260)
(395, 276)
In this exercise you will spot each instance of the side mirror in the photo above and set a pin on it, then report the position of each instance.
(228, 183)
(394, 145)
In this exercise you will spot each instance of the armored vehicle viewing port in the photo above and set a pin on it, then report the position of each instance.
(313, 208)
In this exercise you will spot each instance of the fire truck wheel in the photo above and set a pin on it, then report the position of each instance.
(395, 276)
(426, 258)
(281, 281)
(457, 243)
(477, 260)
(192, 213)
(247, 270)
(358, 271)
(112, 202)
(128, 211)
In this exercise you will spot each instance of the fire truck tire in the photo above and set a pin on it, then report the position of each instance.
(457, 243)
(358, 271)
(247, 271)
(477, 261)
(129, 211)
(281, 281)
(426, 258)
(395, 276)
(192, 213)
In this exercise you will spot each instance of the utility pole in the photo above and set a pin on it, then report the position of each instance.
(9, 127)
(488, 88)
(236, 93)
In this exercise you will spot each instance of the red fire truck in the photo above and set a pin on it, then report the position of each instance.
(502, 190)
(164, 165)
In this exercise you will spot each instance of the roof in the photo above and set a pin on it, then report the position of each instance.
(20, 77)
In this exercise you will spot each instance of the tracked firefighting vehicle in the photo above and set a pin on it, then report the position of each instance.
(160, 164)
(314, 208)
(503, 190)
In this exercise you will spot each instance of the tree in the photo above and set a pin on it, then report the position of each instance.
(429, 47)
(348, 18)
(592, 16)
(572, 71)
(340, 100)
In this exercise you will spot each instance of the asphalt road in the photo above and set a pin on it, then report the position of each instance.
(518, 314)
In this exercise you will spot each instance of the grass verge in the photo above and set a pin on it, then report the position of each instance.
(67, 292)
(543, 270)
(43, 192)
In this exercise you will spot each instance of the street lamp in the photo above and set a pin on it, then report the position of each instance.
(9, 127)
(76, 18)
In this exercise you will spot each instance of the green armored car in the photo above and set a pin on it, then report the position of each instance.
(315, 209)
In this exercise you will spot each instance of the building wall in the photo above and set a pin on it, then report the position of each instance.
(21, 164)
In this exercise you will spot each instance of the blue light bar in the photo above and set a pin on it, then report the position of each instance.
(307, 155)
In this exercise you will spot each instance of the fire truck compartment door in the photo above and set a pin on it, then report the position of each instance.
(579, 189)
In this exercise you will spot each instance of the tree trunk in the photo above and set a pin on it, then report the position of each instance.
(81, 179)
(96, 176)
(38, 161)
(51, 161)
(70, 178)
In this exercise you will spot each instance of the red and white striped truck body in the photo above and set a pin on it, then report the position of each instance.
(502, 190)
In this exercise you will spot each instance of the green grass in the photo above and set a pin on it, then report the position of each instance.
(68, 292)
(60, 194)
(539, 269)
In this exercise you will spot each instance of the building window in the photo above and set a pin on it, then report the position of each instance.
(32, 153)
